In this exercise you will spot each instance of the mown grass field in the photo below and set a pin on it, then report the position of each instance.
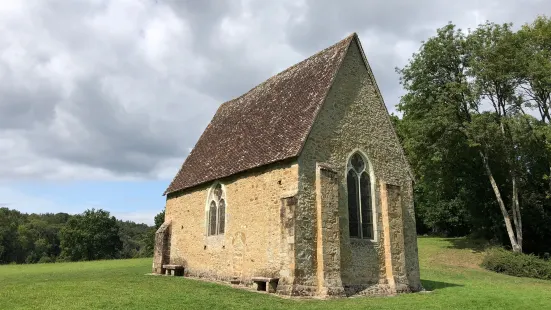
(449, 268)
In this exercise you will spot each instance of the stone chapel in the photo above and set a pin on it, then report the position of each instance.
(301, 181)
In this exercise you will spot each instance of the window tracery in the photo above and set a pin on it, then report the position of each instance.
(216, 211)
(360, 208)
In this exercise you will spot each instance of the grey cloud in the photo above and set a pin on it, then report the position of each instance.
(115, 89)
(230, 71)
(326, 19)
(110, 136)
(23, 108)
(382, 25)
(123, 114)
(204, 17)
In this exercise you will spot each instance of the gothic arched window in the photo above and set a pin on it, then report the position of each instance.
(216, 213)
(360, 209)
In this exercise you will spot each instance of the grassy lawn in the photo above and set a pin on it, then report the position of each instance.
(449, 267)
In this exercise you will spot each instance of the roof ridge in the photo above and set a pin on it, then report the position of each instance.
(288, 100)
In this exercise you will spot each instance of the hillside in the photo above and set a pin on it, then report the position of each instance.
(449, 267)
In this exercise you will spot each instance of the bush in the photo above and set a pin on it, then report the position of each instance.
(46, 260)
(517, 264)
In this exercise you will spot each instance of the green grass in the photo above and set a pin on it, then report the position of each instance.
(449, 267)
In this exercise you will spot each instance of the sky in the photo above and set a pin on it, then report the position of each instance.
(101, 101)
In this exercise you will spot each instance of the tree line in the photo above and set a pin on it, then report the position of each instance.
(476, 129)
(92, 235)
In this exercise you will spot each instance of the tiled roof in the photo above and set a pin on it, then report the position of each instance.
(268, 124)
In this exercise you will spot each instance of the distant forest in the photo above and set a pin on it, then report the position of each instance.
(59, 237)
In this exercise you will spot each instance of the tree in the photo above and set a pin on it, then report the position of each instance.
(492, 66)
(466, 118)
(35, 238)
(447, 84)
(38, 239)
(535, 73)
(90, 236)
(135, 239)
(436, 111)
(159, 219)
(535, 43)
(10, 249)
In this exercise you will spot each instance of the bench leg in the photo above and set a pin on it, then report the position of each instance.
(260, 286)
(272, 287)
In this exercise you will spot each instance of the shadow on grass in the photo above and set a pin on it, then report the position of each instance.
(477, 246)
(436, 285)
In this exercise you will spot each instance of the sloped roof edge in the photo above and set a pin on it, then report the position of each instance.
(382, 101)
(320, 68)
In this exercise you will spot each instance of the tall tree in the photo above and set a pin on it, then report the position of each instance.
(449, 83)
(535, 72)
(435, 110)
(535, 60)
(90, 236)
(493, 68)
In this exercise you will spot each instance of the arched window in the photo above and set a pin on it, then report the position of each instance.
(360, 209)
(216, 213)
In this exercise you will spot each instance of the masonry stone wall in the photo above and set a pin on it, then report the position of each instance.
(161, 251)
(354, 118)
(255, 241)
(328, 233)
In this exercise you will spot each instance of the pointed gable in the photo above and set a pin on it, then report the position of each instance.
(268, 124)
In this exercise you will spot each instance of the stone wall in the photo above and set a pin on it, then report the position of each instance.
(161, 252)
(328, 232)
(354, 118)
(286, 284)
(253, 243)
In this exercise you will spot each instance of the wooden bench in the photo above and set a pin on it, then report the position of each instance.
(265, 284)
(174, 270)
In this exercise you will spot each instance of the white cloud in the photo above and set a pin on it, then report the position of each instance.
(98, 89)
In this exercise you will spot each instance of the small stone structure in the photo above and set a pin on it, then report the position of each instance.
(161, 253)
(265, 284)
(302, 179)
(174, 270)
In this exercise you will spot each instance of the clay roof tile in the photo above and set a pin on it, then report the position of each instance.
(269, 123)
